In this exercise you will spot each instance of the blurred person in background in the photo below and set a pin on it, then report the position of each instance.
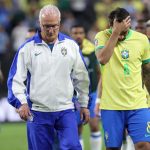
(4, 42)
(1, 77)
(4, 55)
(141, 26)
(52, 65)
(18, 34)
(31, 32)
(123, 54)
(5, 15)
(146, 9)
(148, 29)
(87, 48)
(83, 11)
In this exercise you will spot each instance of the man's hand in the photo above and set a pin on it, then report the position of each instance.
(119, 27)
(85, 115)
(24, 111)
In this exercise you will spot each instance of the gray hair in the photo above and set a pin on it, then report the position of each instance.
(49, 10)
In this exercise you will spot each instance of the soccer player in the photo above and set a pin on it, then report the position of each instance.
(123, 54)
(87, 49)
(53, 67)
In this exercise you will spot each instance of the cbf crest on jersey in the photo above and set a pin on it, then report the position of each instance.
(125, 54)
(64, 51)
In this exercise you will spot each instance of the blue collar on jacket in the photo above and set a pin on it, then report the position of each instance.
(61, 37)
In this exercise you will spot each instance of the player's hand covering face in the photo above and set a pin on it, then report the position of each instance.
(122, 27)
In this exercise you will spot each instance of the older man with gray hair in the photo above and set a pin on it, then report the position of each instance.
(51, 64)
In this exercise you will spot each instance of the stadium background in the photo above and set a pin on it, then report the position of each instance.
(17, 16)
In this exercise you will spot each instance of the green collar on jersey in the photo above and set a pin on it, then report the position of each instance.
(127, 36)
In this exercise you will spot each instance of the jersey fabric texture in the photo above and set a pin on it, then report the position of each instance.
(51, 75)
(121, 76)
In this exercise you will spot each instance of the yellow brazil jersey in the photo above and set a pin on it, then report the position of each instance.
(121, 76)
(88, 47)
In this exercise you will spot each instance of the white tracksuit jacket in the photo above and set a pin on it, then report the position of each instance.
(51, 76)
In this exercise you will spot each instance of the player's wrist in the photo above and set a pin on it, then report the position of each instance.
(116, 32)
(98, 100)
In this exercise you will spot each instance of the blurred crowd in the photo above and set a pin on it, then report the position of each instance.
(17, 16)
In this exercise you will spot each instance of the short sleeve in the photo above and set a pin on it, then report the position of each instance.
(100, 41)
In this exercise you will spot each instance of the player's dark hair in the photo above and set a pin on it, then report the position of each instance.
(78, 25)
(119, 13)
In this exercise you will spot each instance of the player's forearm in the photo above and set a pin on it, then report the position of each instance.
(99, 90)
(147, 83)
(99, 93)
(146, 79)
(104, 54)
(146, 76)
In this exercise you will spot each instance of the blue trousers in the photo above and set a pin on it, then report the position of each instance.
(41, 130)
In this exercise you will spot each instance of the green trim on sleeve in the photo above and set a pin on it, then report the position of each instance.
(146, 61)
(98, 48)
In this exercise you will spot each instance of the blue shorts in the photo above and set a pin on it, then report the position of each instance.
(41, 130)
(137, 123)
(91, 109)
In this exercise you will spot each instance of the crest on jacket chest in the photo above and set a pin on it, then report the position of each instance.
(64, 51)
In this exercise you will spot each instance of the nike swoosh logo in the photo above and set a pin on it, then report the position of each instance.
(147, 135)
(36, 54)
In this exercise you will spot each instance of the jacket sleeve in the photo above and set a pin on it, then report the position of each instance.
(16, 78)
(81, 80)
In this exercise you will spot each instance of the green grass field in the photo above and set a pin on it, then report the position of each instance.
(13, 136)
